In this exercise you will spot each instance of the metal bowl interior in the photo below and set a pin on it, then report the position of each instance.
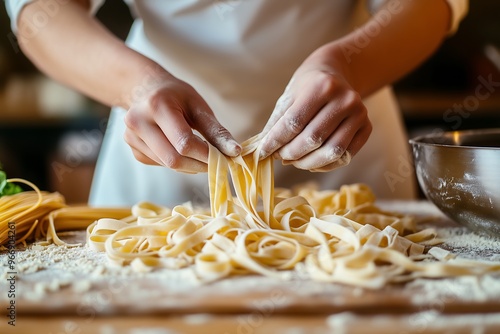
(459, 172)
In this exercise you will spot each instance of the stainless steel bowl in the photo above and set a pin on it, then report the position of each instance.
(460, 173)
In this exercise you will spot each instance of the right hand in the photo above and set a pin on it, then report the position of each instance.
(160, 128)
(319, 122)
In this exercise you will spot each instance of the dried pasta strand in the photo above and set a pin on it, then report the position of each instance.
(25, 210)
(37, 214)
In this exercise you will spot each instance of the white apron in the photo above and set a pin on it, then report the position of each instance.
(239, 55)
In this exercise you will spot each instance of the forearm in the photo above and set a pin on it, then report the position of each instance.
(75, 49)
(396, 39)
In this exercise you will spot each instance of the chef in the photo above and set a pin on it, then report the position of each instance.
(303, 73)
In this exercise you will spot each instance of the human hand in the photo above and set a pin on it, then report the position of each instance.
(319, 122)
(159, 128)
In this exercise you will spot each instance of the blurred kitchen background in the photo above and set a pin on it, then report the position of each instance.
(51, 135)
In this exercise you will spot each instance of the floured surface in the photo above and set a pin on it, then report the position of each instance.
(80, 281)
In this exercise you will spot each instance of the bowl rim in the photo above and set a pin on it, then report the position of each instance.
(445, 134)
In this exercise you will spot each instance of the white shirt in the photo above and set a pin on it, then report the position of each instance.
(239, 55)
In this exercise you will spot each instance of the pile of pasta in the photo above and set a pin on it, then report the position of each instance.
(251, 227)
(25, 210)
(332, 236)
(32, 215)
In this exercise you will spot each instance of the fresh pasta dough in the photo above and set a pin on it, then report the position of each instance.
(332, 236)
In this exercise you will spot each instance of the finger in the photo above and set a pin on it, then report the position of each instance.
(332, 150)
(323, 156)
(319, 129)
(207, 124)
(220, 137)
(291, 123)
(355, 145)
(156, 141)
(344, 160)
(174, 126)
(139, 156)
(141, 151)
(168, 155)
(147, 161)
(360, 139)
(282, 104)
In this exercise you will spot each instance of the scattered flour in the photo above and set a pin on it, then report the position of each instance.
(42, 270)
(464, 243)
(468, 245)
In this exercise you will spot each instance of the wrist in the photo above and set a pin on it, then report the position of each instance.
(331, 59)
(145, 78)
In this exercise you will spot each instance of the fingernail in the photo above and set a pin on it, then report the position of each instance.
(236, 148)
(286, 162)
(263, 154)
(231, 148)
(270, 145)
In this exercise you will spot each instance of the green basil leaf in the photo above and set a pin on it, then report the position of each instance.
(3, 181)
(7, 188)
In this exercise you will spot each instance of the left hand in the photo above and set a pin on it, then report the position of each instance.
(319, 122)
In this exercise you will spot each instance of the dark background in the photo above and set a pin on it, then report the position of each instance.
(55, 146)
